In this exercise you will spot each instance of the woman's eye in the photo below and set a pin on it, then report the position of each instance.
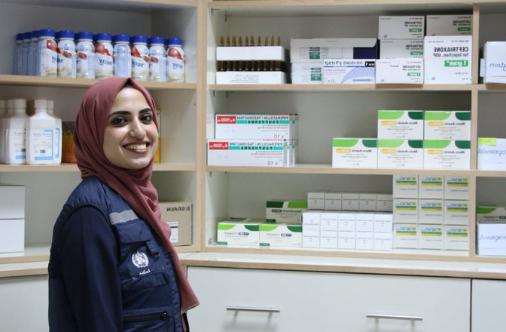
(118, 121)
(147, 118)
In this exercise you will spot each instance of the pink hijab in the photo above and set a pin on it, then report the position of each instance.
(134, 186)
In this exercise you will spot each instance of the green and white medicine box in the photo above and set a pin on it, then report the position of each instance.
(400, 124)
(430, 211)
(276, 235)
(255, 126)
(401, 48)
(401, 27)
(405, 236)
(431, 186)
(449, 25)
(248, 153)
(319, 49)
(447, 59)
(491, 214)
(405, 186)
(285, 211)
(456, 238)
(447, 154)
(456, 212)
(430, 237)
(307, 72)
(405, 211)
(491, 154)
(399, 71)
(456, 187)
(354, 153)
(239, 233)
(400, 154)
(447, 125)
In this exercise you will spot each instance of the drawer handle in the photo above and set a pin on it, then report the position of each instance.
(253, 309)
(400, 317)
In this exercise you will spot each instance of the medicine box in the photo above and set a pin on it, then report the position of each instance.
(285, 211)
(456, 212)
(491, 154)
(311, 229)
(447, 59)
(400, 125)
(401, 48)
(383, 241)
(333, 201)
(430, 237)
(399, 71)
(364, 241)
(367, 202)
(400, 154)
(447, 154)
(494, 64)
(384, 202)
(405, 186)
(364, 222)
(239, 233)
(431, 186)
(239, 53)
(405, 211)
(447, 125)
(12, 235)
(12, 201)
(383, 223)
(405, 236)
(346, 221)
(456, 238)
(179, 216)
(350, 201)
(401, 27)
(319, 49)
(328, 239)
(276, 235)
(346, 240)
(491, 214)
(449, 25)
(491, 239)
(456, 187)
(307, 72)
(354, 153)
(247, 153)
(251, 77)
(430, 211)
(349, 71)
(316, 200)
(256, 126)
(329, 222)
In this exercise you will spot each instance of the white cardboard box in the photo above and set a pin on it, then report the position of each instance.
(405, 186)
(276, 235)
(405, 236)
(383, 223)
(456, 238)
(179, 216)
(346, 240)
(449, 25)
(255, 126)
(350, 201)
(319, 49)
(447, 59)
(311, 220)
(384, 202)
(307, 72)
(251, 77)
(400, 124)
(400, 154)
(456, 187)
(383, 241)
(446, 154)
(491, 214)
(285, 211)
(346, 221)
(364, 240)
(12, 235)
(447, 125)
(430, 237)
(329, 222)
(405, 211)
(456, 212)
(310, 239)
(239, 53)
(333, 201)
(431, 186)
(430, 211)
(239, 233)
(364, 222)
(494, 64)
(491, 239)
(399, 71)
(316, 200)
(401, 48)
(247, 153)
(354, 153)
(367, 202)
(349, 71)
(401, 27)
(328, 239)
(12, 201)
(491, 154)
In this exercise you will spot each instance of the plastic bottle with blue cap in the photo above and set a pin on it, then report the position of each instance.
(32, 54)
(47, 56)
(175, 60)
(157, 60)
(140, 58)
(67, 58)
(104, 61)
(18, 54)
(15, 134)
(122, 56)
(40, 136)
(25, 50)
(85, 55)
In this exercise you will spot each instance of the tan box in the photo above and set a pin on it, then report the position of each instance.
(179, 216)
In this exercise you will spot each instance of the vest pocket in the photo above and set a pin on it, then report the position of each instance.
(145, 321)
(148, 281)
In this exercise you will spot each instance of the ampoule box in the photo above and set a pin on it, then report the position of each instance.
(401, 48)
(447, 154)
(311, 229)
(431, 186)
(430, 237)
(405, 211)
(247, 153)
(383, 241)
(456, 187)
(367, 202)
(493, 63)
(307, 72)
(333, 201)
(384, 202)
(430, 211)
(346, 240)
(319, 49)
(383, 222)
(280, 235)
(447, 125)
(491, 239)
(405, 186)
(491, 214)
(456, 212)
(12, 236)
(456, 238)
(316, 200)
(364, 222)
(310, 239)
(400, 124)
(405, 236)
(400, 154)
(285, 211)
(449, 25)
(349, 71)
(354, 153)
(447, 59)
(251, 77)
(328, 239)
(239, 233)
(236, 53)
(346, 221)
(350, 201)
(364, 241)
(329, 222)
(491, 154)
(401, 27)
(255, 126)
(399, 71)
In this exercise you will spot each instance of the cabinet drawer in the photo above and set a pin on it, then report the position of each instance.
(489, 301)
(315, 301)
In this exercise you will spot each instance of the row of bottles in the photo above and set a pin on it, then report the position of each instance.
(232, 41)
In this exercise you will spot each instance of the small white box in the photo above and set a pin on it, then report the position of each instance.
(241, 53)
(364, 240)
(456, 212)
(401, 27)
(346, 240)
(316, 200)
(307, 72)
(491, 239)
(310, 239)
(349, 71)
(239, 233)
(328, 240)
(275, 235)
(406, 125)
(405, 186)
(247, 153)
(383, 241)
(285, 211)
(447, 59)
(491, 154)
(405, 211)
(456, 238)
(456, 187)
(346, 221)
(384, 202)
(491, 214)
(400, 154)
(493, 64)
(311, 221)
(399, 71)
(354, 153)
(430, 211)
(431, 186)
(447, 125)
(367, 202)
(319, 49)
(383, 223)
(401, 48)
(430, 237)
(255, 126)
(333, 201)
(250, 77)
(12, 201)
(12, 235)
(350, 201)
(179, 216)
(449, 25)
(364, 222)
(329, 222)
(446, 154)
(405, 236)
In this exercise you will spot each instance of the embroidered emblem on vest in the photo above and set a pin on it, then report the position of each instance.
(140, 260)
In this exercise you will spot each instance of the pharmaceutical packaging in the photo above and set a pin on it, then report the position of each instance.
(430, 237)
(401, 48)
(311, 230)
(456, 187)
(40, 136)
(18, 54)
(12, 237)
(316, 200)
(405, 186)
(431, 186)
(400, 154)
(430, 211)
(104, 60)
(333, 201)
(15, 133)
(383, 241)
(140, 58)
(493, 64)
(399, 71)
(157, 60)
(67, 58)
(456, 212)
(319, 49)
(405, 211)
(47, 55)
(447, 154)
(349, 201)
(401, 27)
(122, 56)
(456, 238)
(179, 216)
(364, 222)
(405, 236)
(242, 53)
(251, 77)
(491, 214)
(85, 55)
(285, 211)
(25, 57)
(32, 54)
(384, 202)
(447, 125)
(491, 239)
(349, 71)
(281, 235)
(329, 222)
(240, 233)
(12, 218)
(400, 125)
(328, 240)
(58, 129)
(346, 240)
(256, 126)
(247, 153)
(364, 241)
(354, 153)
(346, 221)
(175, 60)
(491, 154)
(367, 202)
(447, 59)
(449, 25)
(307, 72)
(383, 223)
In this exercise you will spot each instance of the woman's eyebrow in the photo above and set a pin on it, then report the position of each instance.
(146, 110)
(119, 112)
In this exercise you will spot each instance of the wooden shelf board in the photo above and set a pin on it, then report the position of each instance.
(23, 269)
(144, 6)
(32, 253)
(174, 167)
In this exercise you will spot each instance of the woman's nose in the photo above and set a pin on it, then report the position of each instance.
(137, 130)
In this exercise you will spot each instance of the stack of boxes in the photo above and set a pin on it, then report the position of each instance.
(12, 218)
(491, 230)
(491, 154)
(179, 216)
(431, 212)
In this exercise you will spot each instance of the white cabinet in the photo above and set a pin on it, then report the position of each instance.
(489, 301)
(316, 301)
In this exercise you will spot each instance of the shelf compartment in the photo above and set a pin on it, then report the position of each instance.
(340, 87)
(73, 168)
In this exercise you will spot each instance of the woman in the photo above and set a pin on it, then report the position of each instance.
(112, 267)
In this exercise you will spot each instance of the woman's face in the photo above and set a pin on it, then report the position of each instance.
(131, 135)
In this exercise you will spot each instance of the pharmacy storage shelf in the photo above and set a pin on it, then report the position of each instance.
(337, 87)
(73, 168)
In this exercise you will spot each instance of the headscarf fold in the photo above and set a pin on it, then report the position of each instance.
(134, 186)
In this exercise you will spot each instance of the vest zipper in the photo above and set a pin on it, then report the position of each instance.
(146, 318)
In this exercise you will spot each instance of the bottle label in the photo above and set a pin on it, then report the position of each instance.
(41, 144)
(104, 63)
(175, 64)
(140, 64)
(85, 65)
(157, 68)
(66, 64)
(17, 144)
(48, 58)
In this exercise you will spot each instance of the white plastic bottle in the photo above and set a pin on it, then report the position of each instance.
(32, 54)
(8, 112)
(157, 60)
(25, 50)
(122, 56)
(175, 60)
(15, 134)
(40, 136)
(18, 54)
(104, 61)
(57, 143)
(140, 58)
(85, 55)
(47, 56)
(67, 58)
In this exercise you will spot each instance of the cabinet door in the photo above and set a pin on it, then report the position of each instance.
(489, 301)
(311, 301)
